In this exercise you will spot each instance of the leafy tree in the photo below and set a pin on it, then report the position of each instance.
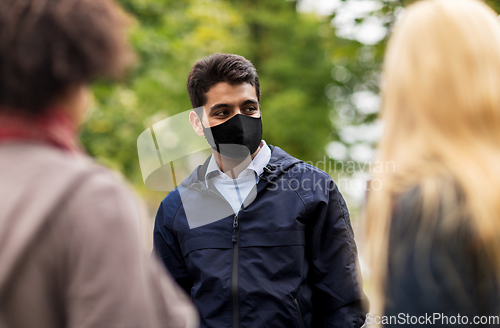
(169, 36)
(318, 83)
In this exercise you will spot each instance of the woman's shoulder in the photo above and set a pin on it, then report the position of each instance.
(35, 157)
(435, 263)
(38, 173)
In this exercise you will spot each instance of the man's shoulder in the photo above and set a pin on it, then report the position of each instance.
(188, 188)
(308, 169)
(303, 170)
(172, 201)
(304, 178)
(281, 158)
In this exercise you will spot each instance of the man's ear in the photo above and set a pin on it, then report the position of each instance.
(194, 119)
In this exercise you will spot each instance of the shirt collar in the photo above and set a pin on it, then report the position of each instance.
(256, 165)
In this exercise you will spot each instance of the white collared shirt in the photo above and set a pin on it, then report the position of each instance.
(235, 191)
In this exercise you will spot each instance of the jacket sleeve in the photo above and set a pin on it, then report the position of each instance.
(338, 297)
(110, 279)
(166, 245)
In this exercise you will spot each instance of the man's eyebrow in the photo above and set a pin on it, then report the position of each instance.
(250, 101)
(217, 106)
(246, 102)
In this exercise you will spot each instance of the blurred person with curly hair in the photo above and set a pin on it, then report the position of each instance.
(68, 257)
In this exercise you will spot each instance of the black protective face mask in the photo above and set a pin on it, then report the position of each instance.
(238, 137)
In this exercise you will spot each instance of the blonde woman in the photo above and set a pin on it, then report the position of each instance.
(434, 226)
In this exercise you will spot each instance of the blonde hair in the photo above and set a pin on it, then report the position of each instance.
(441, 110)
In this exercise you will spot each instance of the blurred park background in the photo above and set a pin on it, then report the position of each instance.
(319, 63)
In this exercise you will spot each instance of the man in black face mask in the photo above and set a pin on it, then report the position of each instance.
(257, 237)
(231, 122)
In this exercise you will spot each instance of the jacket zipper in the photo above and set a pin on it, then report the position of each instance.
(234, 279)
(300, 313)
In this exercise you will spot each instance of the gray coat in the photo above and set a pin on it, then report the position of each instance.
(70, 248)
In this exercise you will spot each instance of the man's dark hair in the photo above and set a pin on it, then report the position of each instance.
(209, 71)
(47, 46)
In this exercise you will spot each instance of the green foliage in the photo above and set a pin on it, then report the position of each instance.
(169, 36)
(308, 74)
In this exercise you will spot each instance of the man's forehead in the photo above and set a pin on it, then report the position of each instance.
(224, 92)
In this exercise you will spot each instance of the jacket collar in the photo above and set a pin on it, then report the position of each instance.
(279, 163)
(256, 165)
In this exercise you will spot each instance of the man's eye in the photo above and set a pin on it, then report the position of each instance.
(251, 109)
(221, 113)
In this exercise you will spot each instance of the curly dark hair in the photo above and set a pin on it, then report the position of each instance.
(209, 71)
(47, 46)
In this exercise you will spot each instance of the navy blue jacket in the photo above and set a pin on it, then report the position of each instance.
(288, 259)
